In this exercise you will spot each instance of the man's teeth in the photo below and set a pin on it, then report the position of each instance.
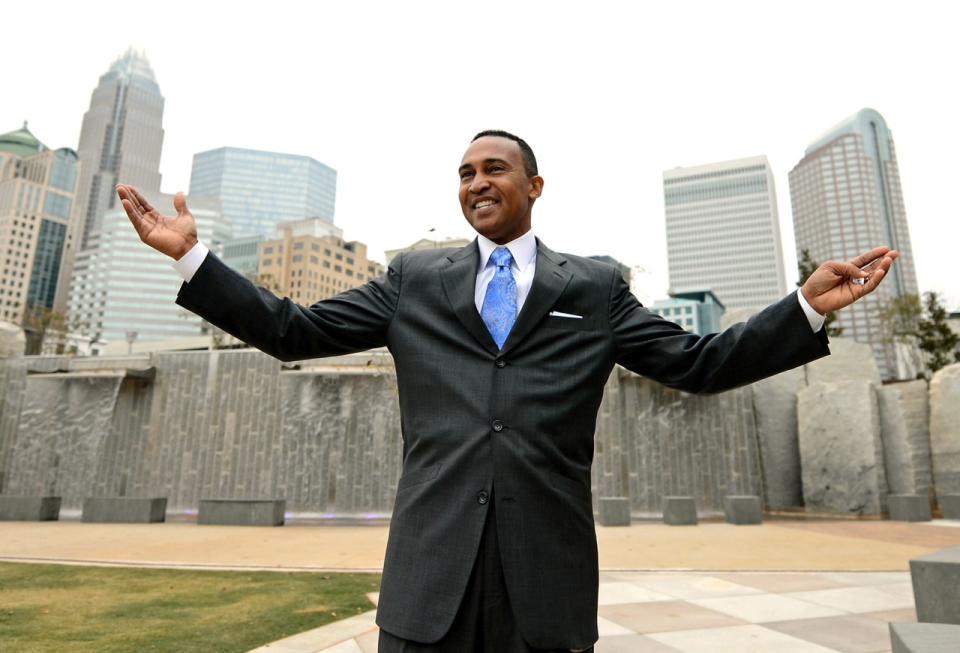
(483, 204)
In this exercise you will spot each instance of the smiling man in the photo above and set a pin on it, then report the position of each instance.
(502, 349)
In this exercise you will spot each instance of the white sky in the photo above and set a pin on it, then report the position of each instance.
(608, 94)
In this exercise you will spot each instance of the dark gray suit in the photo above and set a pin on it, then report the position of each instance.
(520, 420)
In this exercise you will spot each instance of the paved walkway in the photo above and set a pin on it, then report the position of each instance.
(785, 586)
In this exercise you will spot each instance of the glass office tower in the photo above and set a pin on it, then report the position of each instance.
(259, 189)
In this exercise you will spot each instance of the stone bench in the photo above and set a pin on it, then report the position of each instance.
(936, 586)
(909, 507)
(924, 638)
(242, 512)
(124, 510)
(29, 508)
(950, 505)
(679, 511)
(614, 511)
(742, 509)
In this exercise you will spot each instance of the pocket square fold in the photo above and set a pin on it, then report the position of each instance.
(570, 315)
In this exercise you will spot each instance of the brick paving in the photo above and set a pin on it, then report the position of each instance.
(785, 586)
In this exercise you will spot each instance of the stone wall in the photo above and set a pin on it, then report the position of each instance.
(325, 436)
(652, 441)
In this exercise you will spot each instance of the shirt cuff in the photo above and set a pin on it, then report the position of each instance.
(187, 265)
(816, 320)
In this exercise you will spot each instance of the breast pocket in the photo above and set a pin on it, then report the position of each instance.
(585, 323)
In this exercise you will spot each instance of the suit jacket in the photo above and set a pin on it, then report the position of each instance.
(520, 419)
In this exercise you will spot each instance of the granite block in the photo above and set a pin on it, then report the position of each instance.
(950, 505)
(614, 511)
(936, 586)
(924, 638)
(124, 510)
(679, 511)
(742, 509)
(242, 512)
(14, 508)
(840, 448)
(909, 507)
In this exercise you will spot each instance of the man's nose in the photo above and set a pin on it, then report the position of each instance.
(479, 184)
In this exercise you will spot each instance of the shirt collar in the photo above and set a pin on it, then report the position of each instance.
(522, 249)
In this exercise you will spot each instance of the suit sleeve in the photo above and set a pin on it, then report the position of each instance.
(352, 321)
(774, 340)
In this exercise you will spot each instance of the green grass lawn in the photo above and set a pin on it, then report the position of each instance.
(113, 610)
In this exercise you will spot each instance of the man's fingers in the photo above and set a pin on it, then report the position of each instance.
(866, 257)
(144, 205)
(180, 204)
(872, 282)
(848, 270)
(136, 218)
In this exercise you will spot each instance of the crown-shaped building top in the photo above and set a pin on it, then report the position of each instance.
(133, 68)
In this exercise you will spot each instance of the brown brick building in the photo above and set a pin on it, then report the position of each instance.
(310, 261)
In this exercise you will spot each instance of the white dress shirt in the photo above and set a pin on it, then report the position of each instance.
(523, 250)
(524, 264)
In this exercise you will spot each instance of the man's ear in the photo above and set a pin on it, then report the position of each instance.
(536, 187)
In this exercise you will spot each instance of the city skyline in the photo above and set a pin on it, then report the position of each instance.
(369, 96)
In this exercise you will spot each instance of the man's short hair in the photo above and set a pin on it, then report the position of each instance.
(529, 160)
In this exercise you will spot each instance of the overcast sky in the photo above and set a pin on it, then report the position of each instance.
(608, 94)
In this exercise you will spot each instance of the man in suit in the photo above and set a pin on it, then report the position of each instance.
(502, 349)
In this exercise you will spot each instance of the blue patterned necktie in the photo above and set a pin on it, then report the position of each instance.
(499, 310)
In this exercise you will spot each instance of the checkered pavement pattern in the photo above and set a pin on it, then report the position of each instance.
(739, 612)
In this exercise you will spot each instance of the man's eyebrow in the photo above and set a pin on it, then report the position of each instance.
(469, 166)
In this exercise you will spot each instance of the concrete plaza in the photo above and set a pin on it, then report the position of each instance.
(787, 585)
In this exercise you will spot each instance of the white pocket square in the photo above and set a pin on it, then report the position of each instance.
(570, 315)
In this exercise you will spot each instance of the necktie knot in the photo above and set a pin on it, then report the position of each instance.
(501, 257)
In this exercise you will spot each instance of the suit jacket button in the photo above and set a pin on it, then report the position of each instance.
(500, 363)
(497, 425)
(482, 497)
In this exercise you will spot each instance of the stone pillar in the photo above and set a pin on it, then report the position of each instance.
(945, 429)
(775, 410)
(905, 429)
(840, 448)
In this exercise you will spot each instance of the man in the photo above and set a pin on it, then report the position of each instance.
(502, 349)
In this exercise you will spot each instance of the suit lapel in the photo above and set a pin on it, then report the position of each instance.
(459, 280)
(549, 280)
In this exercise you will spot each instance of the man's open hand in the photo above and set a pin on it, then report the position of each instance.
(837, 284)
(171, 236)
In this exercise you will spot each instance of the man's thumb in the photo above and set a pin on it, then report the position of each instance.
(180, 204)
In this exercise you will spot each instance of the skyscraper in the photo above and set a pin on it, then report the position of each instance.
(36, 204)
(120, 139)
(261, 189)
(723, 232)
(847, 199)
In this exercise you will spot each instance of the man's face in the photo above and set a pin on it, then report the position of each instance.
(496, 195)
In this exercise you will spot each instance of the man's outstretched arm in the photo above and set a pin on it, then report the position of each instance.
(352, 321)
(776, 339)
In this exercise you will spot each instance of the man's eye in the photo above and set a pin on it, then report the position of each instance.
(465, 175)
